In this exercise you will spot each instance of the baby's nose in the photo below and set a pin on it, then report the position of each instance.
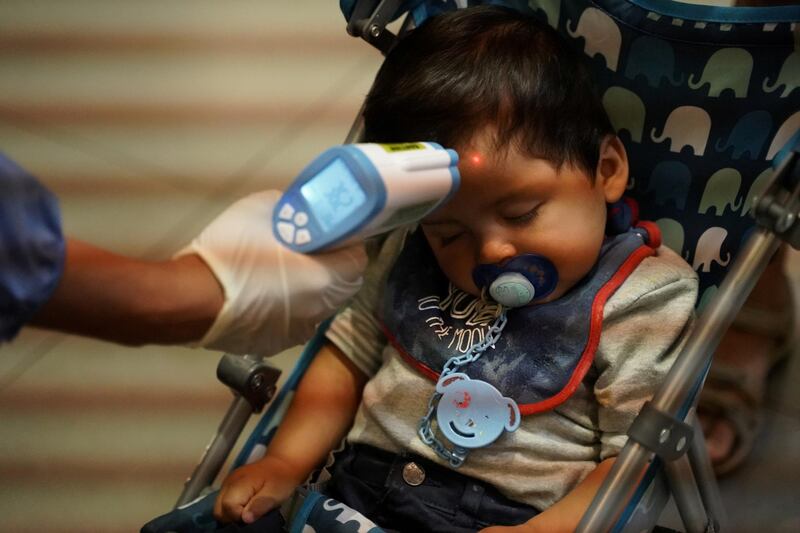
(495, 250)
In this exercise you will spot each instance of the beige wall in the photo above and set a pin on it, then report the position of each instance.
(147, 117)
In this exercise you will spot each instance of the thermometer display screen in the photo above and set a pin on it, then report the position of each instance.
(333, 194)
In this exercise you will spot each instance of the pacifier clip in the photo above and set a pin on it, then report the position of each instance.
(471, 413)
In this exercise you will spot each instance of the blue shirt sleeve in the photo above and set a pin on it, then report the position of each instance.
(31, 247)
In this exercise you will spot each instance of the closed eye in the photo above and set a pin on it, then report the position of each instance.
(524, 218)
(443, 233)
(444, 241)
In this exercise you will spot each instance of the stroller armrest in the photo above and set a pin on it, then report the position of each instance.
(194, 516)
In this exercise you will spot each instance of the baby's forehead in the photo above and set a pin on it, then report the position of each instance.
(488, 148)
(485, 138)
(503, 162)
(487, 156)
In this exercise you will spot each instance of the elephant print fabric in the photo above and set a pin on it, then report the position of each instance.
(703, 98)
(322, 514)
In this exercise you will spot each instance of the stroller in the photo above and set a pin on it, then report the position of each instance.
(671, 67)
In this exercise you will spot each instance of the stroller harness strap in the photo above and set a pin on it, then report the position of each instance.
(544, 352)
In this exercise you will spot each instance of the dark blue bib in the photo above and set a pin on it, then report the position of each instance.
(544, 351)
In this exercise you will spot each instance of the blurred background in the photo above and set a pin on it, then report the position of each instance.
(147, 118)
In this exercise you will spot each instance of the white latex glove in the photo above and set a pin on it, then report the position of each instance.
(274, 297)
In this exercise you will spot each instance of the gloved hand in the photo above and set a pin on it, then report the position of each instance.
(274, 297)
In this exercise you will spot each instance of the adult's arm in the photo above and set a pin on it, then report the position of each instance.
(234, 288)
(112, 297)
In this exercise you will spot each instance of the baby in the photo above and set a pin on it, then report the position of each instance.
(461, 413)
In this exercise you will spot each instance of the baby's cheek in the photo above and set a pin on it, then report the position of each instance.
(458, 269)
(463, 280)
(577, 264)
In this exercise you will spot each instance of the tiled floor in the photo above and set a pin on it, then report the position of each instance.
(147, 118)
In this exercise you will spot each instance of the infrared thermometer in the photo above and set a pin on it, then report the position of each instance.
(354, 191)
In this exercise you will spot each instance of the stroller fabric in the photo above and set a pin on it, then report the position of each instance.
(704, 98)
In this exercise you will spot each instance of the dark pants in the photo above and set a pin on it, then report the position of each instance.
(372, 482)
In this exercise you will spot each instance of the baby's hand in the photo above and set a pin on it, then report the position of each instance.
(253, 490)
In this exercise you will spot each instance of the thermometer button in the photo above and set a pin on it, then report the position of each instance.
(286, 212)
(301, 219)
(303, 237)
(286, 231)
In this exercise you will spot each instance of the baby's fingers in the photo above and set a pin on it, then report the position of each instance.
(258, 506)
(231, 502)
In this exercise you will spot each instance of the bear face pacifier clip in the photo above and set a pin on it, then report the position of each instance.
(469, 412)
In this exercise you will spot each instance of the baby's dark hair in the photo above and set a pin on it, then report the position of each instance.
(488, 66)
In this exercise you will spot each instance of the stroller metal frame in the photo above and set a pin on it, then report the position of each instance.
(666, 428)
(251, 379)
(776, 213)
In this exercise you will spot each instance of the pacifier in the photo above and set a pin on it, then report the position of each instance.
(521, 280)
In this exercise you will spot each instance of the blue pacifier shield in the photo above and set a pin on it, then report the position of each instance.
(472, 413)
(519, 281)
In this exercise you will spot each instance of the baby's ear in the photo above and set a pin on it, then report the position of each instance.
(612, 168)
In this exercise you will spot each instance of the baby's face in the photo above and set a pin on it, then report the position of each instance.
(512, 204)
